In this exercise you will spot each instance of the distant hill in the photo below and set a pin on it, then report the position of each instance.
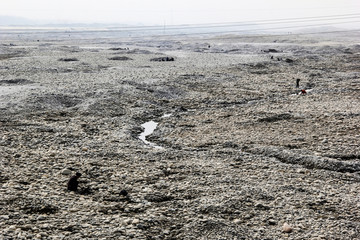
(16, 21)
(20, 21)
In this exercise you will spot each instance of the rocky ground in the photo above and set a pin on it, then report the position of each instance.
(240, 153)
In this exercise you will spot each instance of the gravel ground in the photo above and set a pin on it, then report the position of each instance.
(238, 152)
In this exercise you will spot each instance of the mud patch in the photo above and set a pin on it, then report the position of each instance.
(108, 107)
(120, 58)
(158, 197)
(7, 56)
(30, 205)
(56, 101)
(275, 118)
(18, 81)
(68, 59)
(163, 59)
(118, 49)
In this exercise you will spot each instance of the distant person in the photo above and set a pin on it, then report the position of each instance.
(73, 182)
(123, 193)
(298, 83)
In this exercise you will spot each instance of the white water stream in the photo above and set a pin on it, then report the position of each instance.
(149, 128)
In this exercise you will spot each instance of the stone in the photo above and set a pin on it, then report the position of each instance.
(272, 222)
(287, 228)
(44, 234)
(66, 171)
(237, 221)
(135, 221)
(41, 218)
(4, 217)
(301, 170)
(12, 228)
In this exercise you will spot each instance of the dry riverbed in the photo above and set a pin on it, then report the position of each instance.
(237, 152)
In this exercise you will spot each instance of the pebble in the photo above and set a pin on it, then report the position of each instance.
(127, 221)
(4, 217)
(12, 228)
(272, 222)
(44, 234)
(135, 221)
(287, 228)
(26, 227)
(237, 221)
(41, 218)
(301, 170)
(52, 154)
(66, 171)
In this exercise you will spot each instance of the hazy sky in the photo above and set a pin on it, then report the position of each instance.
(150, 12)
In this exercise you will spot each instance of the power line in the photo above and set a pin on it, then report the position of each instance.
(219, 25)
(281, 35)
(175, 27)
(354, 15)
(230, 31)
(248, 31)
(259, 29)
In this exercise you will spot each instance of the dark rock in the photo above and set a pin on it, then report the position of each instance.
(86, 191)
(120, 58)
(262, 207)
(182, 109)
(163, 59)
(270, 50)
(230, 145)
(158, 197)
(272, 222)
(68, 59)
(118, 48)
(273, 50)
(18, 81)
(275, 118)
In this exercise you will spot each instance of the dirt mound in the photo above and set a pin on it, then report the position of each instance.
(120, 58)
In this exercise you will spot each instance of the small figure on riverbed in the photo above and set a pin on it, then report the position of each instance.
(298, 82)
(124, 196)
(73, 182)
(124, 193)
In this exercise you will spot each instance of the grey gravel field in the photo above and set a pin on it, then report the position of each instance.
(238, 152)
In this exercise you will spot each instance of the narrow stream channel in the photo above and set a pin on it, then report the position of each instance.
(149, 128)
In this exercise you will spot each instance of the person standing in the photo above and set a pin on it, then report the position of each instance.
(73, 182)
